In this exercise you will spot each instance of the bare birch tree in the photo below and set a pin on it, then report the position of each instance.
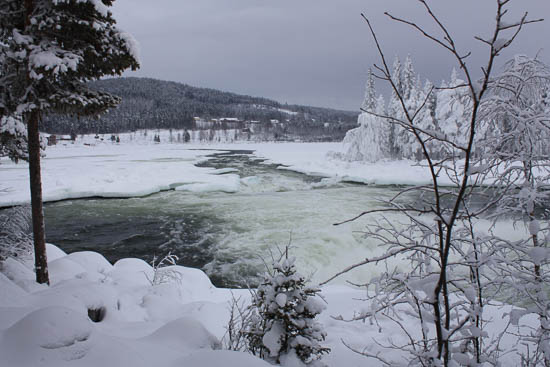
(516, 151)
(443, 287)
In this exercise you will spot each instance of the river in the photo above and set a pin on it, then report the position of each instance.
(229, 235)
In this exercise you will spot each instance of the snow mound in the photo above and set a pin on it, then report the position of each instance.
(132, 271)
(196, 277)
(184, 333)
(91, 261)
(79, 295)
(10, 294)
(219, 358)
(50, 333)
(20, 274)
(64, 268)
(53, 252)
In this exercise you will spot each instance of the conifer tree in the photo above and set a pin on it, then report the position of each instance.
(49, 49)
(395, 110)
(408, 78)
(285, 324)
(369, 102)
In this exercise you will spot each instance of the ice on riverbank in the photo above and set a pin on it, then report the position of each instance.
(105, 169)
(110, 170)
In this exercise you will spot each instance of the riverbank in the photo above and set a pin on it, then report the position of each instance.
(180, 322)
(95, 168)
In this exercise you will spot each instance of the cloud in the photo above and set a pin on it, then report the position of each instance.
(312, 52)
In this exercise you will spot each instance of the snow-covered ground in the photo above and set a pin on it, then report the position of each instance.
(100, 168)
(179, 323)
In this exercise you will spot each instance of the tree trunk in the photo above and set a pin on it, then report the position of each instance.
(40, 259)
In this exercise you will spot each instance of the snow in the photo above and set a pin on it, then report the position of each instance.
(131, 44)
(106, 170)
(272, 339)
(315, 159)
(213, 359)
(179, 323)
(175, 324)
(281, 299)
(134, 170)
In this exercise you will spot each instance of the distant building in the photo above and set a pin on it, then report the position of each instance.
(52, 140)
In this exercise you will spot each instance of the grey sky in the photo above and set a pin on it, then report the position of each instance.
(313, 52)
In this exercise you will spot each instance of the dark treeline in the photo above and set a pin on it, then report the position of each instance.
(155, 104)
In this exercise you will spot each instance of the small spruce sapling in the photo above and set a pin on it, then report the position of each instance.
(284, 323)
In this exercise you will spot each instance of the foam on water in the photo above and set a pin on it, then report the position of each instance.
(230, 226)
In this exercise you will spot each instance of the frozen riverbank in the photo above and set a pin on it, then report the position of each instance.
(177, 323)
(134, 169)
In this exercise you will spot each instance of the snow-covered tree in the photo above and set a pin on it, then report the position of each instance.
(427, 121)
(13, 138)
(443, 288)
(368, 142)
(284, 326)
(454, 108)
(49, 50)
(408, 77)
(395, 110)
(515, 146)
(369, 101)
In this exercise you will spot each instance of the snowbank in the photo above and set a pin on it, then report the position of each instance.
(105, 169)
(179, 323)
(110, 170)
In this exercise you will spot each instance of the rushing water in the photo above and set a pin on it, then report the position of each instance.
(228, 235)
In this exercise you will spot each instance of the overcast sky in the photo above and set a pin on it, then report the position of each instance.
(314, 52)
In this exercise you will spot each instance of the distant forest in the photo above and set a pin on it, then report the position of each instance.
(156, 104)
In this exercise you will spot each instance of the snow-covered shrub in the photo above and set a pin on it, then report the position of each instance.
(162, 273)
(16, 233)
(13, 138)
(240, 316)
(450, 282)
(283, 324)
(516, 150)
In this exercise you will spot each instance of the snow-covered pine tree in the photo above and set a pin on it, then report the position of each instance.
(408, 77)
(285, 326)
(454, 109)
(49, 50)
(369, 102)
(368, 142)
(395, 110)
(13, 138)
(364, 143)
(413, 98)
(427, 121)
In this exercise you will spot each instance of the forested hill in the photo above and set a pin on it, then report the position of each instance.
(150, 103)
